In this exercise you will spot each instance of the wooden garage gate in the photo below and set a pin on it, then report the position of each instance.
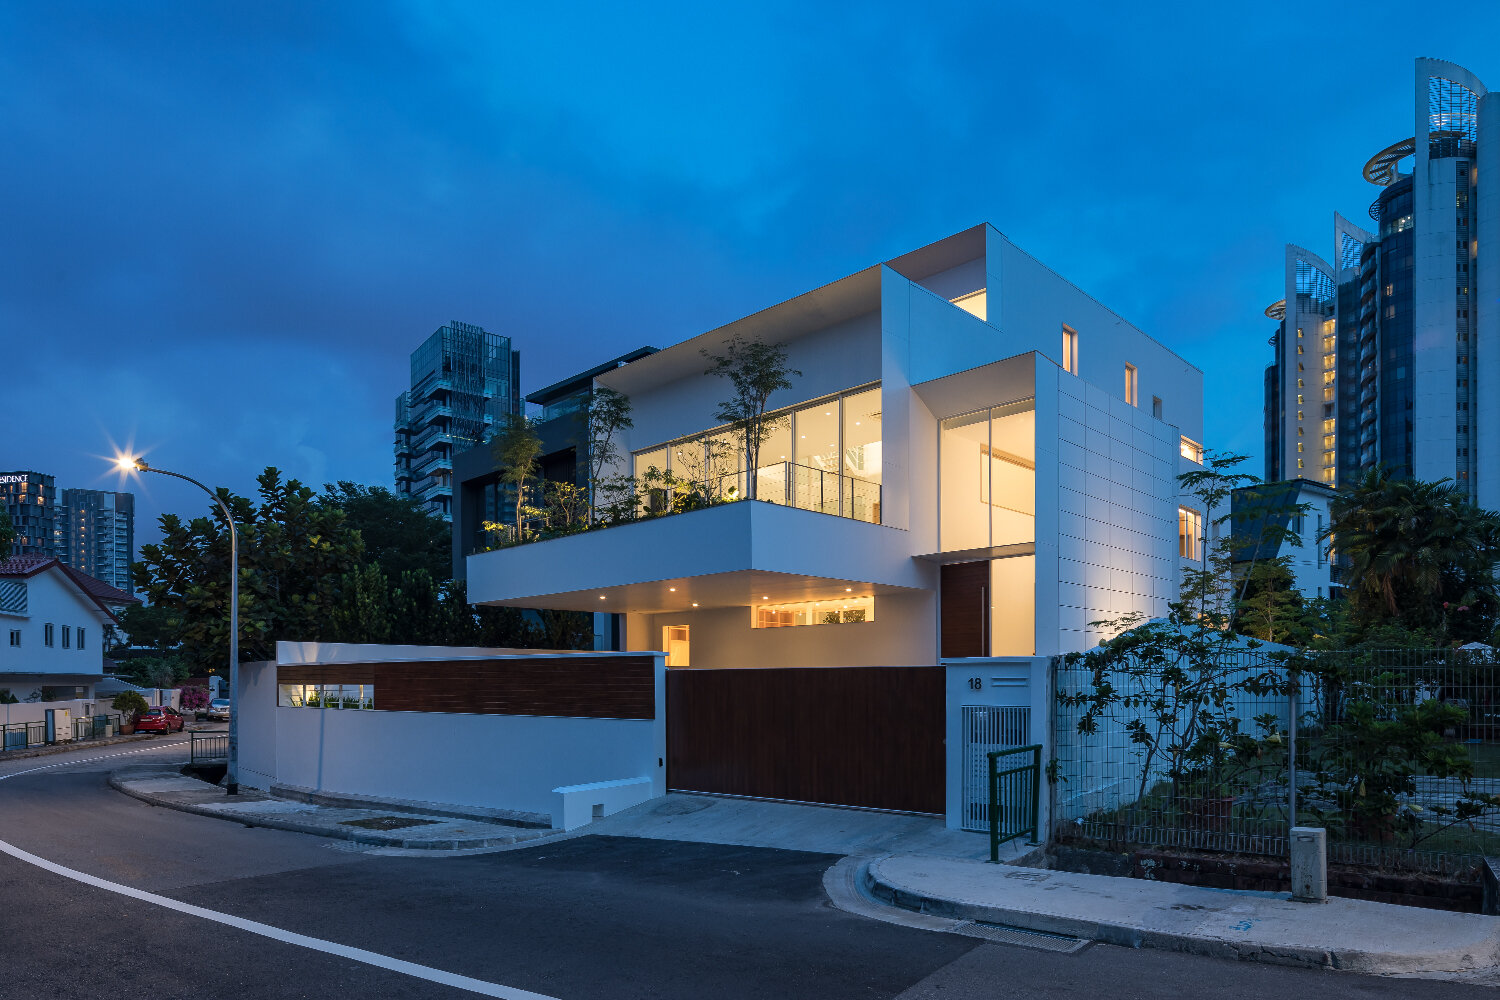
(857, 736)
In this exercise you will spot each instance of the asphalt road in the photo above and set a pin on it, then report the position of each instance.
(593, 917)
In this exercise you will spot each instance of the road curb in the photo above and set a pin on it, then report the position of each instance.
(75, 746)
(368, 838)
(894, 892)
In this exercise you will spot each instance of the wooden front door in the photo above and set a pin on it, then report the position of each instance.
(964, 606)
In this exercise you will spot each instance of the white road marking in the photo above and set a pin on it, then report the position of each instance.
(426, 972)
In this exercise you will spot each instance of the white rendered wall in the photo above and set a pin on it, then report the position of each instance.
(52, 597)
(1030, 303)
(490, 761)
(903, 634)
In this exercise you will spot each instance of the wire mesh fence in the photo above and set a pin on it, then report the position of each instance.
(1395, 752)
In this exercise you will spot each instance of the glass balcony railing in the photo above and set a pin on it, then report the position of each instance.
(805, 488)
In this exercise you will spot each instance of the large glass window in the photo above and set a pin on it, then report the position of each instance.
(1190, 532)
(824, 456)
(988, 478)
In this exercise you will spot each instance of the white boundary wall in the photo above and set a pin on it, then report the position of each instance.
(488, 761)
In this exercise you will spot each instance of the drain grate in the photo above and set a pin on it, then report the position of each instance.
(1023, 937)
(387, 822)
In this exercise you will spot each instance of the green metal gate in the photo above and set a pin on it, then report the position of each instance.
(1015, 791)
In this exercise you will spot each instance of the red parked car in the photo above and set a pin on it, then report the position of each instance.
(165, 719)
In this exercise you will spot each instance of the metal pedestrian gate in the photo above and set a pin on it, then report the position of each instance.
(1015, 793)
(987, 728)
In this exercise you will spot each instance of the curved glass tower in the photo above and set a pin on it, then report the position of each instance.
(1409, 345)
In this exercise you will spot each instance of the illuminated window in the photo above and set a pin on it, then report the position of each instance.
(1131, 396)
(1191, 450)
(1300, 402)
(1189, 533)
(1070, 350)
(840, 611)
(1299, 463)
(1299, 444)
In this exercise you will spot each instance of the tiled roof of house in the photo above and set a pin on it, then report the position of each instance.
(98, 591)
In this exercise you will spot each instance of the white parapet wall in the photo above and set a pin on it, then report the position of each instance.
(489, 761)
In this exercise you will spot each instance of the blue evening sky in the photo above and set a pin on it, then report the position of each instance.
(225, 226)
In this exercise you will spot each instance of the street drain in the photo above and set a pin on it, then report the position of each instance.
(387, 822)
(1024, 937)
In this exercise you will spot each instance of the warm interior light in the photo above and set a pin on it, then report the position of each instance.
(672, 589)
(695, 604)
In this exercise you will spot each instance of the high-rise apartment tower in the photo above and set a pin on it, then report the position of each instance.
(1390, 355)
(463, 384)
(96, 532)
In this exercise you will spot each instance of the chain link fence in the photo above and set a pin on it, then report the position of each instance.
(1395, 752)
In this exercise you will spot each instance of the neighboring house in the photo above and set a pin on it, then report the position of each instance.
(977, 459)
(1254, 509)
(53, 621)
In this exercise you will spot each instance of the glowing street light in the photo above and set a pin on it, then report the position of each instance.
(130, 463)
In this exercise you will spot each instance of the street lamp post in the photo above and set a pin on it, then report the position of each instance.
(232, 776)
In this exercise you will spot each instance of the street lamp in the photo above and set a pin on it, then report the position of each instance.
(128, 463)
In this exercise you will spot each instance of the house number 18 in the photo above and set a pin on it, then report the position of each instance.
(975, 684)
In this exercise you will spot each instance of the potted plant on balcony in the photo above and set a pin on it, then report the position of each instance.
(129, 704)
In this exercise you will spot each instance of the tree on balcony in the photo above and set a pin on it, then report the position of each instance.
(515, 448)
(755, 370)
(609, 412)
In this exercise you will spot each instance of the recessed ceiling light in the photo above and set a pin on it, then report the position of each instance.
(695, 604)
(601, 597)
(848, 589)
(672, 589)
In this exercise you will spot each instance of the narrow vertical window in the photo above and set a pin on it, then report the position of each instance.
(1156, 407)
(67, 637)
(1131, 396)
(47, 634)
(1189, 533)
(1070, 350)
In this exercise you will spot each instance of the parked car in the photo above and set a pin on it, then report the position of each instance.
(162, 719)
(219, 709)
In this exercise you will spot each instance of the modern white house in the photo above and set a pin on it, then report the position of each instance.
(977, 459)
(975, 464)
(53, 620)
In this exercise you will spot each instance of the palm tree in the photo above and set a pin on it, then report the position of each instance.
(1416, 551)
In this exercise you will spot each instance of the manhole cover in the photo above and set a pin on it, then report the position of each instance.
(387, 822)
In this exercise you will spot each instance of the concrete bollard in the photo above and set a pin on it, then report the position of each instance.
(1309, 850)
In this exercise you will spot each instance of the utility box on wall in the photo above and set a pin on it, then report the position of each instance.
(993, 703)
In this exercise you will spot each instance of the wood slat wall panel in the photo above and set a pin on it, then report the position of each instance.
(859, 736)
(588, 687)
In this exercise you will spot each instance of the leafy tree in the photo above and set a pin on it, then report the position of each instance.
(294, 555)
(399, 532)
(7, 534)
(515, 449)
(1419, 555)
(166, 670)
(150, 626)
(363, 613)
(609, 412)
(1271, 608)
(755, 370)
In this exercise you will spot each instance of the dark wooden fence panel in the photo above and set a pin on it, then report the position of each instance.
(858, 736)
(587, 687)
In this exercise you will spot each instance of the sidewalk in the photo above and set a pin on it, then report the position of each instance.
(389, 826)
(1348, 934)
